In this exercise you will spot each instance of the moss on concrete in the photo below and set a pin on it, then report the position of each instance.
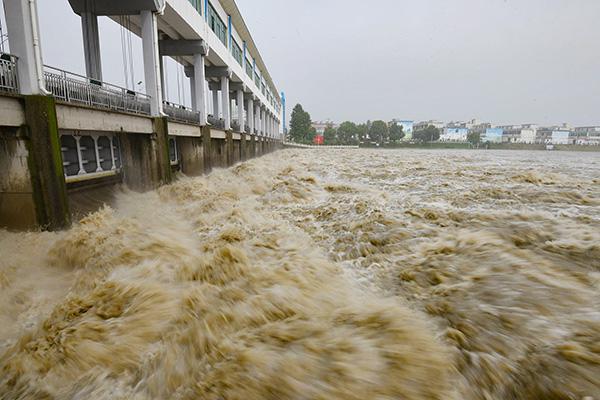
(45, 163)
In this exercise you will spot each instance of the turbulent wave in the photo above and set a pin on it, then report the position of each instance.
(339, 274)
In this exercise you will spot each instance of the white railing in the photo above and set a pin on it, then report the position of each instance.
(74, 88)
(9, 77)
(180, 113)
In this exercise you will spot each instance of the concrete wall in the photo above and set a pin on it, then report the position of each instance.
(191, 155)
(17, 207)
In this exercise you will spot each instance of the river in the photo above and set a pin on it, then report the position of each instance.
(328, 274)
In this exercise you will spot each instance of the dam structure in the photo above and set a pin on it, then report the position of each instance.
(69, 139)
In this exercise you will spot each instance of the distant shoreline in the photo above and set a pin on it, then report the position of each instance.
(491, 146)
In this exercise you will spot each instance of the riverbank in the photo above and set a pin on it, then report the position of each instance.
(491, 146)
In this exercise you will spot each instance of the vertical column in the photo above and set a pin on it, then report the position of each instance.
(215, 103)
(262, 120)
(199, 84)
(23, 36)
(257, 117)
(91, 42)
(193, 92)
(161, 68)
(250, 113)
(226, 103)
(151, 62)
(240, 110)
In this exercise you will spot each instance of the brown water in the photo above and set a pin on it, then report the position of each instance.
(335, 274)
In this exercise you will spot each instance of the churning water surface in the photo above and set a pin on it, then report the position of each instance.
(329, 274)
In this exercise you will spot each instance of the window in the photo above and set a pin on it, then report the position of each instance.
(216, 24)
(236, 52)
(197, 5)
(257, 79)
(249, 71)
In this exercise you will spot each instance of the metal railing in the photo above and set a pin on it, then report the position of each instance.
(180, 113)
(74, 88)
(9, 77)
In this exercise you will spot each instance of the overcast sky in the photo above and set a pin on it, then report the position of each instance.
(503, 61)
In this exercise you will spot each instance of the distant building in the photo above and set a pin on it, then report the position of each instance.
(561, 137)
(454, 135)
(493, 135)
(419, 126)
(320, 126)
(480, 128)
(525, 133)
(407, 127)
(587, 135)
(546, 134)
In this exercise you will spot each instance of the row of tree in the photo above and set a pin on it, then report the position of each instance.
(348, 133)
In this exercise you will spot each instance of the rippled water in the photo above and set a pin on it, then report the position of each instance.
(330, 274)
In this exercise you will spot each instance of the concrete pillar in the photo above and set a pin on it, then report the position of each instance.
(229, 147)
(240, 110)
(257, 117)
(243, 147)
(225, 102)
(91, 42)
(207, 148)
(162, 161)
(250, 114)
(192, 77)
(23, 36)
(199, 94)
(45, 163)
(262, 120)
(151, 62)
(215, 103)
(161, 68)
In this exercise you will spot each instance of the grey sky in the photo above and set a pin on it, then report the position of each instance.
(504, 61)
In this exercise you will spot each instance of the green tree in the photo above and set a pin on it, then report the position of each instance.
(330, 136)
(396, 132)
(300, 125)
(429, 134)
(312, 132)
(378, 132)
(362, 131)
(347, 133)
(474, 137)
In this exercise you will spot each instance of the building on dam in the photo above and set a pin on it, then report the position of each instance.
(66, 137)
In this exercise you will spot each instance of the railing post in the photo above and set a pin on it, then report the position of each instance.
(66, 87)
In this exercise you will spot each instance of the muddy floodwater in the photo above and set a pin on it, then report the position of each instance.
(330, 274)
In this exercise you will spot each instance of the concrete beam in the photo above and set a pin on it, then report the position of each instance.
(118, 7)
(170, 47)
(219, 72)
(236, 86)
(84, 119)
(214, 86)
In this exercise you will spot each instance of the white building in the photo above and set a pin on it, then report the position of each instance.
(454, 135)
(561, 137)
(230, 83)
